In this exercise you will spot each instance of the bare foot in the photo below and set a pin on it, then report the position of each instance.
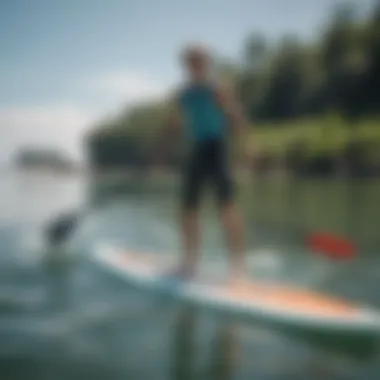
(181, 272)
(237, 279)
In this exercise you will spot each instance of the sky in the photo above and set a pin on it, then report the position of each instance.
(66, 63)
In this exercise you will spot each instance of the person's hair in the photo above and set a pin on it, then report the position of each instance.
(194, 51)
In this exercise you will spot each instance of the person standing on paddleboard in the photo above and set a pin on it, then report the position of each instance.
(210, 115)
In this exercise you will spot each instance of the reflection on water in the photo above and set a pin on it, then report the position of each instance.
(69, 320)
(223, 358)
(229, 357)
(184, 347)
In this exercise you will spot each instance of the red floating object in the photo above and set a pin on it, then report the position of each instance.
(334, 246)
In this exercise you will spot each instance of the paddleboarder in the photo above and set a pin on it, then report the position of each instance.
(210, 115)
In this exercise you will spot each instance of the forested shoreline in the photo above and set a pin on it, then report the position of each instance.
(314, 106)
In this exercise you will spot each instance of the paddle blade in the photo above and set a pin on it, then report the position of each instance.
(332, 246)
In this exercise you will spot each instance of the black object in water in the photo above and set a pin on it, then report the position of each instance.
(60, 229)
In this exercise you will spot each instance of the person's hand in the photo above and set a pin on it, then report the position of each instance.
(244, 164)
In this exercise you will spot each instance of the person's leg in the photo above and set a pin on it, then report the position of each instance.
(191, 240)
(234, 231)
(190, 229)
(230, 216)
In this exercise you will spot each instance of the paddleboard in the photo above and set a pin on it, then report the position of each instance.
(278, 303)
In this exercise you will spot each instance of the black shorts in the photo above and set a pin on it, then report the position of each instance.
(207, 164)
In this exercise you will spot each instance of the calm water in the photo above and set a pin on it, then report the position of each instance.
(70, 320)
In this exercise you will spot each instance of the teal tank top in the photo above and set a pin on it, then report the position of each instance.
(204, 117)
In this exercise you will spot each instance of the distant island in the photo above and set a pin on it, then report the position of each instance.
(31, 158)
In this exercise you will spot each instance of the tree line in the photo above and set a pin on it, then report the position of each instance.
(278, 84)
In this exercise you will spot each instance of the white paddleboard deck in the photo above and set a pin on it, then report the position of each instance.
(277, 303)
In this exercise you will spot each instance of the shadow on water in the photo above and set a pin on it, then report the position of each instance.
(328, 349)
(356, 348)
(184, 349)
(227, 350)
(353, 352)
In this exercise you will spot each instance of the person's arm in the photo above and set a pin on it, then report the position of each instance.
(228, 101)
(237, 121)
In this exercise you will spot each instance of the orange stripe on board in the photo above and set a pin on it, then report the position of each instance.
(293, 299)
